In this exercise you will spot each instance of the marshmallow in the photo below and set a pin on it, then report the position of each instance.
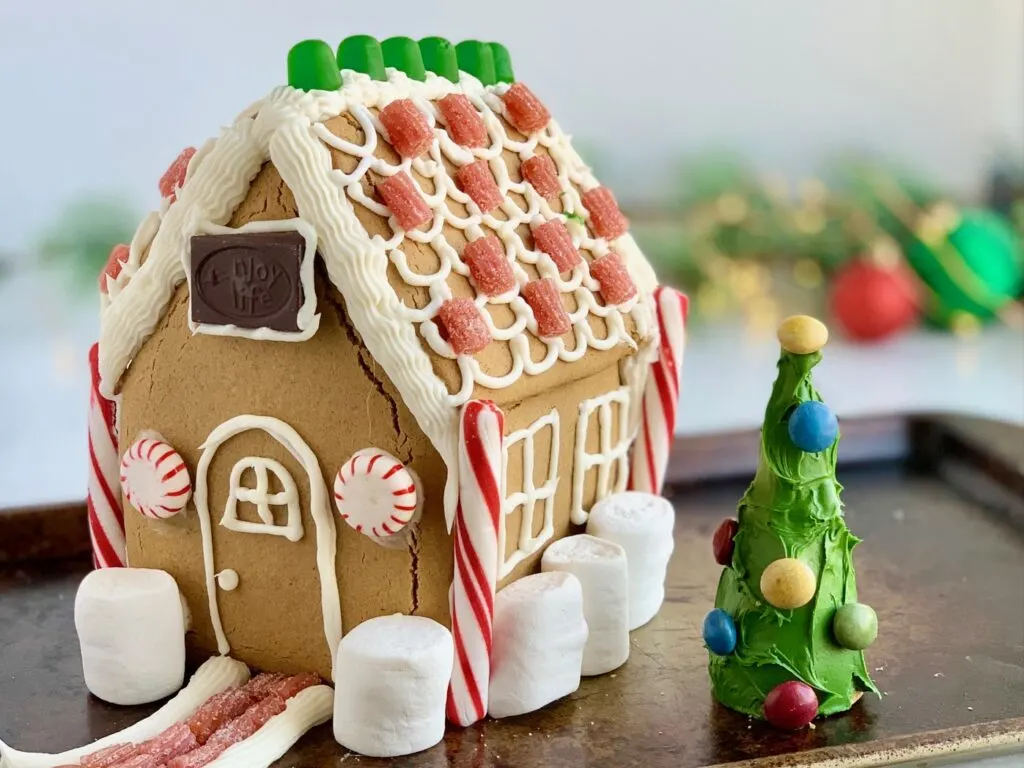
(131, 630)
(641, 523)
(600, 567)
(392, 674)
(539, 636)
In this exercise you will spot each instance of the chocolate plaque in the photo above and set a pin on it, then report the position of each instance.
(250, 280)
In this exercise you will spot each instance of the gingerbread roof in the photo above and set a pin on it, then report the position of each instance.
(473, 247)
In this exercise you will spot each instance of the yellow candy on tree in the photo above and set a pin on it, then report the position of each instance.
(788, 583)
(802, 334)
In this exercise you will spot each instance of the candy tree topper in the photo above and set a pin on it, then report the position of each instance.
(787, 634)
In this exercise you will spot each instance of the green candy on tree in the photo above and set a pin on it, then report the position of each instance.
(792, 509)
(855, 626)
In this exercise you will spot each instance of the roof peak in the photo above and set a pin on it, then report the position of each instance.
(314, 66)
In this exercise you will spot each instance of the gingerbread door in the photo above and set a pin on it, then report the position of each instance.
(269, 545)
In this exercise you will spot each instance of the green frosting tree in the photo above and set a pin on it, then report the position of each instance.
(787, 623)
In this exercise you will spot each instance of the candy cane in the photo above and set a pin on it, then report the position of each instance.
(661, 397)
(106, 518)
(475, 536)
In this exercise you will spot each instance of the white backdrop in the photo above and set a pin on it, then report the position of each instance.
(103, 93)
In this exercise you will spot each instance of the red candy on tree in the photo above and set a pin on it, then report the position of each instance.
(492, 274)
(723, 543)
(616, 286)
(546, 303)
(407, 128)
(476, 181)
(115, 263)
(872, 301)
(463, 122)
(791, 705)
(174, 176)
(400, 193)
(464, 326)
(524, 110)
(605, 217)
(541, 173)
(553, 238)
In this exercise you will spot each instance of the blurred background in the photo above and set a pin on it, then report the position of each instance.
(861, 161)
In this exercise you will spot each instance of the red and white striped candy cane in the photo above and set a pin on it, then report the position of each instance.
(106, 518)
(475, 537)
(661, 397)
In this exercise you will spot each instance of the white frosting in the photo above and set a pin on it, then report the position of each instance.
(215, 675)
(307, 709)
(326, 542)
(608, 454)
(530, 495)
(286, 127)
(228, 580)
(307, 319)
(261, 497)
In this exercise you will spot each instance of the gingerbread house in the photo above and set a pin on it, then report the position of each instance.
(326, 288)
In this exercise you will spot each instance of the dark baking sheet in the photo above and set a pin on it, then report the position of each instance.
(942, 563)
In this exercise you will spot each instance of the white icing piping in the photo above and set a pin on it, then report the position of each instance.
(307, 709)
(607, 454)
(530, 495)
(286, 127)
(326, 541)
(215, 675)
(307, 320)
(262, 499)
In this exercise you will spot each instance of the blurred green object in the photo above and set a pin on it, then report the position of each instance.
(312, 67)
(975, 268)
(80, 239)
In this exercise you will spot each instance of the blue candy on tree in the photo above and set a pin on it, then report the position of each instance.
(720, 632)
(813, 427)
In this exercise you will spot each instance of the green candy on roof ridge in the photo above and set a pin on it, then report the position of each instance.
(313, 65)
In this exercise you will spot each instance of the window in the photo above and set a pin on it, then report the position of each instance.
(534, 442)
(602, 445)
(263, 499)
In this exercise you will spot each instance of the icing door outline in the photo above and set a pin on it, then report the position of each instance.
(261, 497)
(323, 520)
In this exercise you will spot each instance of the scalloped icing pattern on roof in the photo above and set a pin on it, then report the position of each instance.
(286, 128)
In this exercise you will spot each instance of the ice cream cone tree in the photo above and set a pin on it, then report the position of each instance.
(787, 634)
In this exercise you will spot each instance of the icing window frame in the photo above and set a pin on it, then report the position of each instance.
(530, 495)
(607, 454)
(307, 319)
(261, 497)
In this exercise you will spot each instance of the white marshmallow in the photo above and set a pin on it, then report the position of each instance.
(131, 631)
(641, 523)
(600, 567)
(539, 636)
(392, 674)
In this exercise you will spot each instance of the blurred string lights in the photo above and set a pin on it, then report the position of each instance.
(762, 247)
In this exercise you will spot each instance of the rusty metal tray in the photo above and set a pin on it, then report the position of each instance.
(939, 503)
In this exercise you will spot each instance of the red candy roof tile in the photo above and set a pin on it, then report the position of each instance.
(606, 219)
(553, 238)
(477, 181)
(616, 286)
(463, 122)
(174, 176)
(546, 303)
(524, 110)
(464, 326)
(403, 197)
(542, 175)
(492, 274)
(407, 128)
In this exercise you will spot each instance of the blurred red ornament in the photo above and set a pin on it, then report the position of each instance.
(791, 705)
(872, 301)
(722, 543)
